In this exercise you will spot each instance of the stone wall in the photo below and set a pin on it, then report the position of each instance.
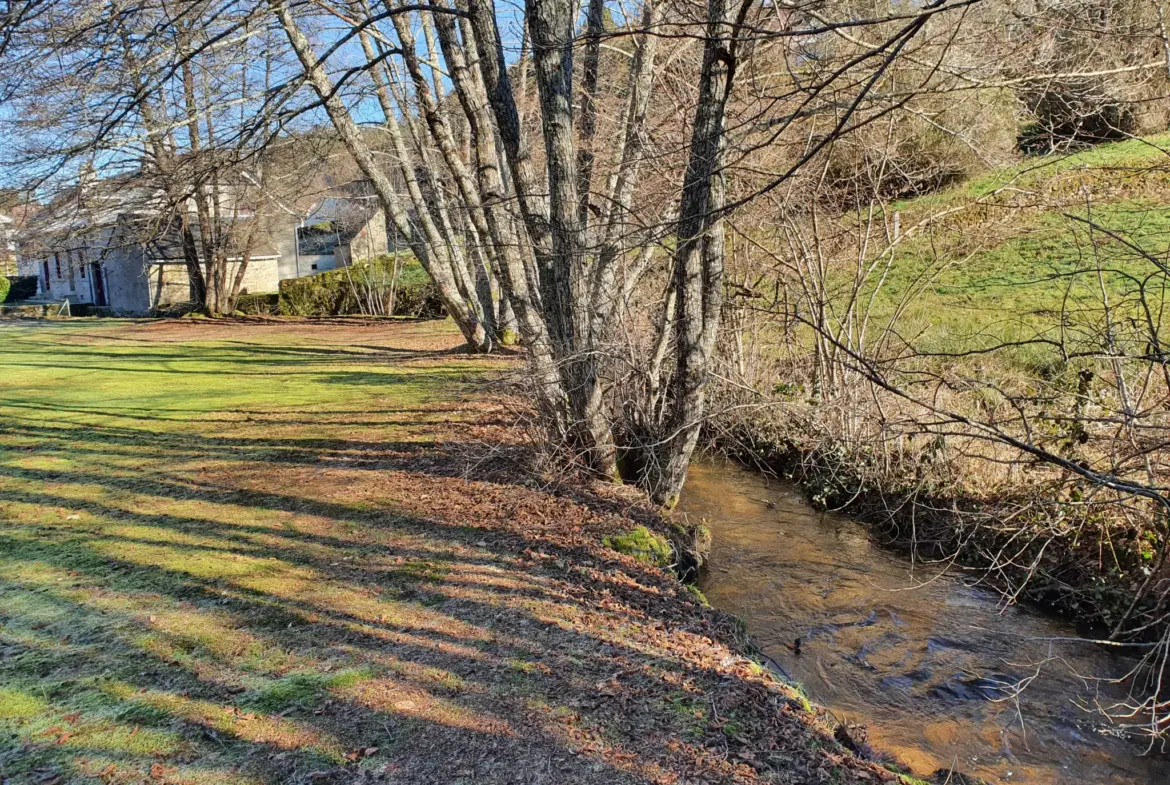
(169, 284)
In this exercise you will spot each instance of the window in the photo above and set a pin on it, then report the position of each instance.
(57, 259)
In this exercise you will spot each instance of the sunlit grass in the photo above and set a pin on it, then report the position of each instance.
(1004, 258)
(157, 610)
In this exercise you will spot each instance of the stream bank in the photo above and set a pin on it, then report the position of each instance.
(1080, 565)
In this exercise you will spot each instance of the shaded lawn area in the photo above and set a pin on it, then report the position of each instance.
(245, 553)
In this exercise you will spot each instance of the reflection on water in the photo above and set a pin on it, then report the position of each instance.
(930, 669)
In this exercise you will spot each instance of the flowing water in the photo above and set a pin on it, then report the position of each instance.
(929, 670)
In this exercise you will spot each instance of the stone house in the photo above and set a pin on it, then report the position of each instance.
(113, 253)
(117, 252)
(335, 232)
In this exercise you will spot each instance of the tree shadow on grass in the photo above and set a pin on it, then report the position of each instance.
(219, 600)
(306, 661)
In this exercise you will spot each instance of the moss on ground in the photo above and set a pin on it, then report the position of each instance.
(644, 545)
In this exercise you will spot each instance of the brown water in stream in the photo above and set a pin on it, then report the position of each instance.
(926, 668)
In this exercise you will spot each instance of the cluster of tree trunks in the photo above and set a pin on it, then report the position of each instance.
(551, 260)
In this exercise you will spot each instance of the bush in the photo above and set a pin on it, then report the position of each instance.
(362, 289)
(938, 144)
(5, 287)
(23, 287)
(1073, 114)
(1080, 37)
(258, 304)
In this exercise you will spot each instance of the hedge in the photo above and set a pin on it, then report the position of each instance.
(19, 287)
(347, 290)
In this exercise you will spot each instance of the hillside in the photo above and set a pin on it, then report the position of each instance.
(1013, 255)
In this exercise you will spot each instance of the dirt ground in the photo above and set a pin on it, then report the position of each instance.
(264, 552)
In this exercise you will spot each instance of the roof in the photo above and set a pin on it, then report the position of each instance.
(169, 247)
(108, 202)
(348, 214)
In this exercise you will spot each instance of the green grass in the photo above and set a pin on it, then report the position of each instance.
(169, 554)
(1012, 263)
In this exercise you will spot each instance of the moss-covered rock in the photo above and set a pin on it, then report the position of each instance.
(644, 545)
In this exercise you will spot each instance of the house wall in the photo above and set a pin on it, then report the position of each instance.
(73, 280)
(286, 245)
(127, 288)
(26, 265)
(76, 277)
(369, 243)
(261, 277)
(318, 263)
(168, 284)
(284, 240)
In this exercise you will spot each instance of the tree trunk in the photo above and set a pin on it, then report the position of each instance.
(564, 290)
(698, 263)
(617, 209)
(438, 266)
(518, 309)
(589, 74)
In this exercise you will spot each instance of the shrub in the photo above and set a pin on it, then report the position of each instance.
(1075, 113)
(362, 288)
(258, 304)
(23, 287)
(1076, 38)
(644, 545)
(938, 144)
(5, 286)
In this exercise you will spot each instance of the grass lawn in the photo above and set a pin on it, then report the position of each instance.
(292, 553)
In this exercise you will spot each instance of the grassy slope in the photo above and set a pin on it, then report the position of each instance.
(1007, 262)
(243, 553)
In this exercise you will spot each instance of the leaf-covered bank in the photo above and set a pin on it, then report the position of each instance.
(309, 553)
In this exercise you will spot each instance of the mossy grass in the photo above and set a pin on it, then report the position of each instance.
(644, 545)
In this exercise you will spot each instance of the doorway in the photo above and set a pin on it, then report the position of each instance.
(99, 285)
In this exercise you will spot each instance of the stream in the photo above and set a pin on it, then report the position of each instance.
(927, 665)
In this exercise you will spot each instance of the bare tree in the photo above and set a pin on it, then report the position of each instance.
(168, 95)
(600, 223)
